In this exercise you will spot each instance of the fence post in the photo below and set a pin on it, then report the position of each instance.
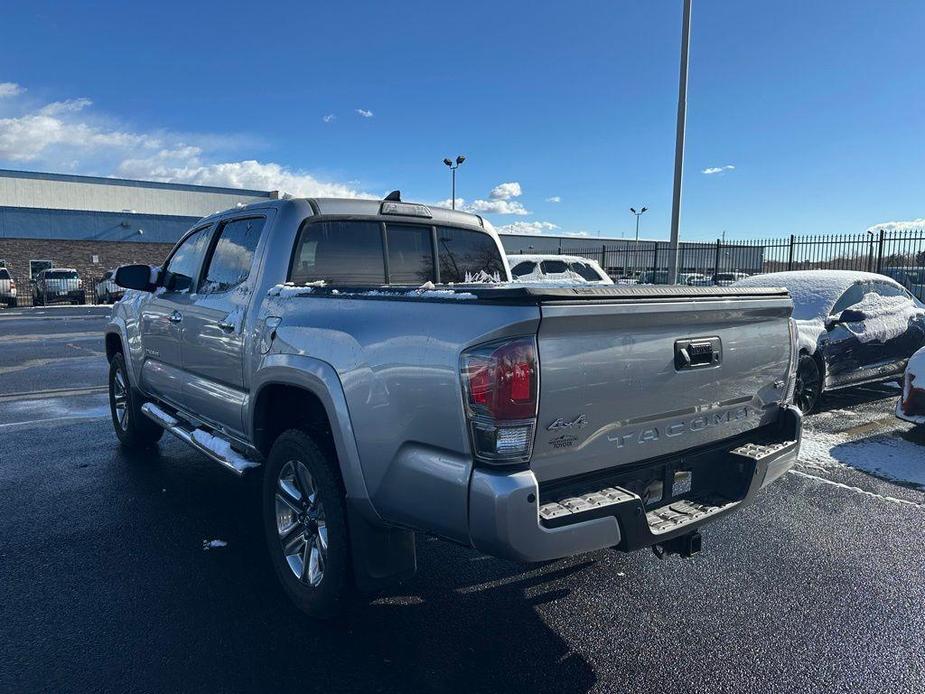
(716, 260)
(655, 263)
(880, 251)
(793, 241)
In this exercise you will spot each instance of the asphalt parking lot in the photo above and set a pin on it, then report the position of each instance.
(107, 584)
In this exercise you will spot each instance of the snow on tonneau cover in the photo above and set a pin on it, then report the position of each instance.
(615, 388)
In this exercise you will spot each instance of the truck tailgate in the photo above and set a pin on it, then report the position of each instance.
(633, 377)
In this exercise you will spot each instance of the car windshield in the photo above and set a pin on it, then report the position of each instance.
(61, 275)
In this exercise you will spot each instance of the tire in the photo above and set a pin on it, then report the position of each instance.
(134, 429)
(808, 389)
(311, 525)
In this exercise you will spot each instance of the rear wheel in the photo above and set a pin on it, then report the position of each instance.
(809, 384)
(305, 524)
(132, 427)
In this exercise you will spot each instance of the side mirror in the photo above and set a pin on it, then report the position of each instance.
(141, 277)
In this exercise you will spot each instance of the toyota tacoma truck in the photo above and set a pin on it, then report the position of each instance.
(371, 366)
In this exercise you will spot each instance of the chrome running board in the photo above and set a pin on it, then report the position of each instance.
(215, 447)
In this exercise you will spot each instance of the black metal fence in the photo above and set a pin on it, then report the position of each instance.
(898, 254)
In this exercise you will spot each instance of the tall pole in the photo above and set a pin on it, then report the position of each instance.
(679, 146)
(453, 169)
(637, 228)
(449, 162)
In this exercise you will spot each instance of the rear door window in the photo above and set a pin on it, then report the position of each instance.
(411, 254)
(468, 256)
(230, 263)
(553, 267)
(339, 252)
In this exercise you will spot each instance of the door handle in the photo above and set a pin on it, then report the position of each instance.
(175, 317)
(226, 327)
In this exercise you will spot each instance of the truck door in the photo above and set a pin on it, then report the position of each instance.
(162, 317)
(213, 337)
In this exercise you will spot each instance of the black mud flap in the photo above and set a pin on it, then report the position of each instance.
(382, 556)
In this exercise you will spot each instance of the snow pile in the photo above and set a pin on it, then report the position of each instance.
(482, 277)
(290, 289)
(213, 544)
(221, 448)
(814, 293)
(887, 317)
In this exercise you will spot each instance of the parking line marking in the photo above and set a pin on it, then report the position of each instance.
(52, 392)
(53, 420)
(858, 490)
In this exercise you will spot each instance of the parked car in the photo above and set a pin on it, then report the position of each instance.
(912, 278)
(57, 285)
(854, 328)
(7, 288)
(724, 279)
(654, 277)
(321, 342)
(911, 404)
(107, 291)
(556, 268)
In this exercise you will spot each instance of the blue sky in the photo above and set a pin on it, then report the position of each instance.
(817, 105)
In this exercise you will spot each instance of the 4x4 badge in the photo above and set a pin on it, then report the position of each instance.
(580, 422)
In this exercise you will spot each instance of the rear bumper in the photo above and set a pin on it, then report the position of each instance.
(511, 517)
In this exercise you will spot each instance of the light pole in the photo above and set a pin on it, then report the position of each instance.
(459, 160)
(638, 215)
(674, 244)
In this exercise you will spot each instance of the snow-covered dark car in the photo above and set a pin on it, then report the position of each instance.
(853, 328)
(570, 269)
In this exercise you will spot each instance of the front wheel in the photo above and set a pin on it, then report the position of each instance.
(809, 384)
(133, 428)
(305, 524)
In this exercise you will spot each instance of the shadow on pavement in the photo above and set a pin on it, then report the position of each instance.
(853, 397)
(217, 619)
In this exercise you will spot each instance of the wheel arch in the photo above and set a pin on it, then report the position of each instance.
(296, 391)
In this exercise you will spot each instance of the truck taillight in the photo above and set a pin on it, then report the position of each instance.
(500, 386)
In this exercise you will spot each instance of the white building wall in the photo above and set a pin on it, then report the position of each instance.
(96, 196)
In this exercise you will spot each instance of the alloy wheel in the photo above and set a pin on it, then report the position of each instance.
(300, 523)
(120, 399)
(806, 392)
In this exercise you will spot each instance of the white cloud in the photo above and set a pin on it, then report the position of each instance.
(10, 89)
(554, 198)
(364, 113)
(498, 207)
(329, 118)
(527, 228)
(58, 134)
(918, 224)
(505, 191)
(718, 169)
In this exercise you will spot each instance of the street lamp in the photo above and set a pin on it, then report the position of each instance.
(638, 215)
(459, 160)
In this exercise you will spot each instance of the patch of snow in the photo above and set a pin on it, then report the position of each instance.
(427, 285)
(213, 544)
(887, 317)
(884, 455)
(482, 277)
(290, 289)
(221, 448)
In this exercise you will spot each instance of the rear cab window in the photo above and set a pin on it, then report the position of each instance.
(373, 253)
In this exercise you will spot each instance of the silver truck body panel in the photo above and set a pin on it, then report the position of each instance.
(386, 368)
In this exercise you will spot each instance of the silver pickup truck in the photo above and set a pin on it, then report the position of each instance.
(375, 367)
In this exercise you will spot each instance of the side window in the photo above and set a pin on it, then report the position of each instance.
(553, 267)
(853, 295)
(523, 269)
(468, 256)
(339, 252)
(231, 259)
(185, 260)
(411, 255)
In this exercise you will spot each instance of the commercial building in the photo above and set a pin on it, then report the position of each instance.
(93, 224)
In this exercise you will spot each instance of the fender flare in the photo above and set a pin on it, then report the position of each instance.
(321, 380)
